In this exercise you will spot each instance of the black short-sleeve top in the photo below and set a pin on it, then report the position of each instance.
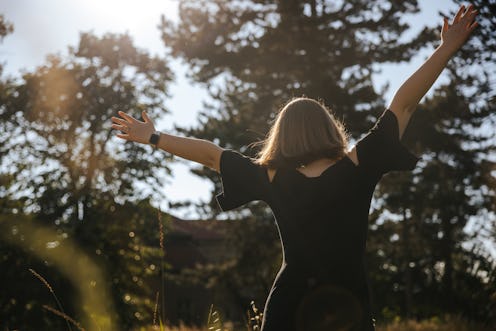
(322, 220)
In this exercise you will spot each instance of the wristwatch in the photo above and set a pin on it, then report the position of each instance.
(154, 138)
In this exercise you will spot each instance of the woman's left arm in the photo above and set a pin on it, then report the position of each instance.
(453, 36)
(196, 150)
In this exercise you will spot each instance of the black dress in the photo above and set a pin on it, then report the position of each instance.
(322, 223)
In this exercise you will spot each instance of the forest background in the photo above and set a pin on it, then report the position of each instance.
(80, 208)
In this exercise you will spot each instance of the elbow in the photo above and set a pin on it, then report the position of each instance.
(212, 159)
(210, 163)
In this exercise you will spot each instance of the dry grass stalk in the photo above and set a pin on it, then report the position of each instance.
(255, 317)
(155, 310)
(64, 316)
(45, 282)
(161, 229)
(162, 253)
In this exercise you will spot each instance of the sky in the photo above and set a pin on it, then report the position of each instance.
(50, 26)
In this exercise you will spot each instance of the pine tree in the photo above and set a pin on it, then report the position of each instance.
(436, 257)
(255, 55)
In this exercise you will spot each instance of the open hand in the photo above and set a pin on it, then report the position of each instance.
(133, 129)
(454, 35)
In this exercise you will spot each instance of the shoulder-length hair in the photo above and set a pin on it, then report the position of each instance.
(304, 130)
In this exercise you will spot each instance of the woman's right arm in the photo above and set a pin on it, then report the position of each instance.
(453, 36)
(196, 150)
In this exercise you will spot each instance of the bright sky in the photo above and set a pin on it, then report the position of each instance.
(50, 26)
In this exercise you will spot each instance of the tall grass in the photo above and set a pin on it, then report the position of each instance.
(162, 262)
(255, 318)
(254, 315)
(447, 323)
(96, 310)
(60, 311)
(65, 317)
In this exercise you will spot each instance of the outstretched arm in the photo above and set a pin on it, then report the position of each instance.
(197, 150)
(453, 36)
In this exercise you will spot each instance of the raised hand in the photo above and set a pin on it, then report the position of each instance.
(133, 129)
(454, 35)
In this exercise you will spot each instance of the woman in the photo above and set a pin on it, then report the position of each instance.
(319, 192)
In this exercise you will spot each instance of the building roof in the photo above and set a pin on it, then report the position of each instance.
(199, 229)
(185, 240)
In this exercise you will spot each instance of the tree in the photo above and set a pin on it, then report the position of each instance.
(60, 115)
(5, 27)
(255, 55)
(476, 71)
(438, 256)
(421, 240)
(63, 169)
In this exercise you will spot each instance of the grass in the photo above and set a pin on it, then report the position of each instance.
(254, 316)
(60, 311)
(447, 323)
(214, 321)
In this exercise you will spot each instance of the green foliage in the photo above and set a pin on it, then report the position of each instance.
(429, 255)
(61, 169)
(64, 159)
(61, 166)
(5, 27)
(22, 294)
(436, 258)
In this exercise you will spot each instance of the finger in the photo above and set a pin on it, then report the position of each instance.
(145, 117)
(127, 117)
(120, 127)
(459, 14)
(445, 25)
(473, 26)
(469, 9)
(471, 16)
(124, 136)
(119, 120)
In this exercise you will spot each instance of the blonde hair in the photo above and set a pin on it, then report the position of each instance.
(304, 130)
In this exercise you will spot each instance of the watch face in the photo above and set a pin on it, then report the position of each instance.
(154, 138)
